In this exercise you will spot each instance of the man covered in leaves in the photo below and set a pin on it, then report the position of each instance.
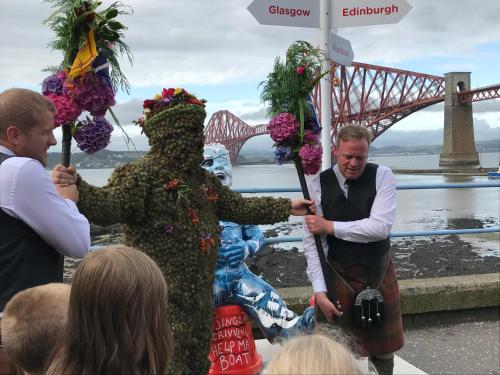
(170, 208)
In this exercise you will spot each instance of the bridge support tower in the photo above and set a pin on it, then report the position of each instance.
(459, 148)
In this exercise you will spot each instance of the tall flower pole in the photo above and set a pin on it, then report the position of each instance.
(90, 41)
(294, 126)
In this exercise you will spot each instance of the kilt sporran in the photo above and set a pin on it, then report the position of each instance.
(368, 307)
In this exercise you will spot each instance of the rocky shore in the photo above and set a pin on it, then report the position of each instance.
(414, 257)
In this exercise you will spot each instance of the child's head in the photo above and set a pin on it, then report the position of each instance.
(117, 319)
(32, 325)
(313, 354)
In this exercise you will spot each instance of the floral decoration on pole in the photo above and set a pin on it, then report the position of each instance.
(294, 126)
(90, 41)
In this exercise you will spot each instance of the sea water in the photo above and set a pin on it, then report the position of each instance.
(417, 210)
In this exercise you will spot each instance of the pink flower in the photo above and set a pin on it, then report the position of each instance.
(310, 157)
(300, 70)
(283, 126)
(66, 109)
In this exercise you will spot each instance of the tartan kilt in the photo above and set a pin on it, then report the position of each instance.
(384, 338)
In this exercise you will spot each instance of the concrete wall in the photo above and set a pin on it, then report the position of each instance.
(432, 300)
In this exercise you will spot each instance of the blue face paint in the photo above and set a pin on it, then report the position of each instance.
(217, 161)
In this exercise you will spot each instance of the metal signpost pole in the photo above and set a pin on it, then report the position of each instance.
(326, 97)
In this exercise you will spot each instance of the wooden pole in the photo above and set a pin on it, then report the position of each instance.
(66, 144)
(327, 273)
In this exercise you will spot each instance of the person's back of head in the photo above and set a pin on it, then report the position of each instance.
(117, 322)
(32, 325)
(313, 354)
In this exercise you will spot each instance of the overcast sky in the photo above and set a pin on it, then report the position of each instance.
(218, 51)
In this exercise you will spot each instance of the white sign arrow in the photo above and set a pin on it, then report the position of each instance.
(301, 13)
(340, 50)
(347, 13)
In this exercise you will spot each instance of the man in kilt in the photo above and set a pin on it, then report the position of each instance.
(354, 217)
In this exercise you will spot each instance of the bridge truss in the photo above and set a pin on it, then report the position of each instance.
(373, 96)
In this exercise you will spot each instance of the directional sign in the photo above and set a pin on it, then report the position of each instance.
(301, 13)
(340, 50)
(347, 13)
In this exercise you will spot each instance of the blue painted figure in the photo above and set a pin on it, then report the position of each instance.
(234, 283)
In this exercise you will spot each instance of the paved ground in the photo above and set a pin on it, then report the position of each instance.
(468, 348)
(401, 367)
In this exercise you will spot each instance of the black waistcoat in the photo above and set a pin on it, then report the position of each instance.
(356, 206)
(26, 260)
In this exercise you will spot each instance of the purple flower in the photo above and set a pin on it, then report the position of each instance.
(310, 137)
(311, 158)
(168, 228)
(93, 136)
(53, 84)
(91, 93)
(282, 154)
(283, 126)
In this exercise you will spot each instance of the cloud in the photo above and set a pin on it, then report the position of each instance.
(217, 41)
(217, 44)
(432, 28)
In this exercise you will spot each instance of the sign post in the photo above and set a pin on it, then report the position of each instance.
(326, 15)
(349, 13)
(326, 96)
(343, 13)
(340, 50)
(299, 13)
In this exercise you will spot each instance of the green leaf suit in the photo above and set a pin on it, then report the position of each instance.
(136, 197)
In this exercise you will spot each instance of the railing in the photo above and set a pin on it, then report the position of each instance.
(443, 232)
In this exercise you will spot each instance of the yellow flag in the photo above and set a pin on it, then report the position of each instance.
(85, 57)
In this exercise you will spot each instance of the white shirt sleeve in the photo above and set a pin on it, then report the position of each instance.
(27, 193)
(378, 225)
(314, 271)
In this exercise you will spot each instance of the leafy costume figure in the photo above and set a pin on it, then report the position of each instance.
(234, 283)
(170, 208)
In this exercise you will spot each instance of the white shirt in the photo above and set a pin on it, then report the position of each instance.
(374, 228)
(28, 194)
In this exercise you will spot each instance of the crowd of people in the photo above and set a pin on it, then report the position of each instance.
(116, 317)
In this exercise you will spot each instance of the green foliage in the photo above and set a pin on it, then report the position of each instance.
(285, 88)
(136, 196)
(73, 19)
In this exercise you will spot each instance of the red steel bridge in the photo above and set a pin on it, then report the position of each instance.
(374, 96)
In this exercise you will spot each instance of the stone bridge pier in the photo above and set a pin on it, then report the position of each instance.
(459, 148)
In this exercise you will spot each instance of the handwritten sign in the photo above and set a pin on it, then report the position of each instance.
(233, 346)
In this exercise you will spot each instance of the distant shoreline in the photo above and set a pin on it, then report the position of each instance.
(481, 171)
(113, 159)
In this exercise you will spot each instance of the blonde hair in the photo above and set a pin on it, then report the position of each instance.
(32, 325)
(314, 354)
(353, 131)
(22, 108)
(117, 318)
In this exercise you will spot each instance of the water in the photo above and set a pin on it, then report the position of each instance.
(486, 160)
(416, 209)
